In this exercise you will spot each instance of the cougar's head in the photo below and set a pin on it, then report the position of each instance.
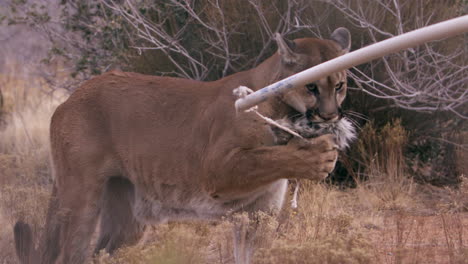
(319, 101)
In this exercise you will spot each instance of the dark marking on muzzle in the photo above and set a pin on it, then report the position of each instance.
(311, 113)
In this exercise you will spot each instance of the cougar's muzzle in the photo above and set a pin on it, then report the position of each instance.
(317, 116)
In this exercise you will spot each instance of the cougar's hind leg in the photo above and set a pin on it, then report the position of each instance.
(118, 226)
(77, 215)
(79, 190)
(50, 238)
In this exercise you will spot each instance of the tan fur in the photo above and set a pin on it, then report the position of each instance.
(136, 149)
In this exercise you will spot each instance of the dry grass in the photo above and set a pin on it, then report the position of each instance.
(386, 219)
(24, 154)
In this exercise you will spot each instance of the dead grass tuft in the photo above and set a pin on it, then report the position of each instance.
(386, 183)
(333, 249)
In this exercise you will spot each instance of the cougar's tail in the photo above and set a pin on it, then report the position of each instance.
(23, 242)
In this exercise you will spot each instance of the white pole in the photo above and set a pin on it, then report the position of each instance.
(437, 31)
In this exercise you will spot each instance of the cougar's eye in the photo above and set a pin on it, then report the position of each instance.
(312, 87)
(339, 86)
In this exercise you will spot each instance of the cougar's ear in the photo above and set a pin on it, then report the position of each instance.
(286, 49)
(343, 38)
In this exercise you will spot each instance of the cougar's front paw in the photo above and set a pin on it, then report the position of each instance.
(324, 143)
(320, 155)
(327, 154)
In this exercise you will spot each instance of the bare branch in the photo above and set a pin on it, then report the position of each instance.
(428, 78)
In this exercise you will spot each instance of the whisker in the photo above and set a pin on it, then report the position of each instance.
(354, 122)
(356, 116)
(354, 112)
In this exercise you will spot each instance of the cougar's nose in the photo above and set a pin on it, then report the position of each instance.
(332, 116)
